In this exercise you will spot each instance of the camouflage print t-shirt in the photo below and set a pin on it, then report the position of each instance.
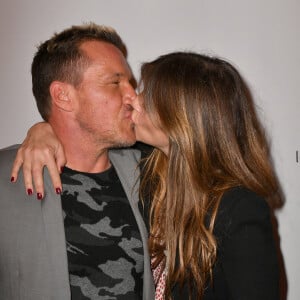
(104, 247)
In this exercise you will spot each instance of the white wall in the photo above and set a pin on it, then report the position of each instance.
(261, 38)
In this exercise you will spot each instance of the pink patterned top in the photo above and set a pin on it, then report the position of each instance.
(159, 281)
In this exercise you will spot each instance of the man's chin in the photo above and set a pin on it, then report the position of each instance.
(124, 144)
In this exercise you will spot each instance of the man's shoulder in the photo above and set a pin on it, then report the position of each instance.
(8, 154)
(10, 149)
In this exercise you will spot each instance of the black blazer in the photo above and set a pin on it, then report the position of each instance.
(247, 263)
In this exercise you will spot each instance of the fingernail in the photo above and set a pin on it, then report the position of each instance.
(29, 192)
(39, 196)
(61, 169)
(58, 191)
(12, 179)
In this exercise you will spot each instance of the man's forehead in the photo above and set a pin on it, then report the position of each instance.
(104, 55)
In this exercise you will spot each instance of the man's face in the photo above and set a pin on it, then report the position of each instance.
(104, 97)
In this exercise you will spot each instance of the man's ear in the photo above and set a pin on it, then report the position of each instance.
(61, 95)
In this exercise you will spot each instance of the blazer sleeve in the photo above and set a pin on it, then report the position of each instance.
(247, 263)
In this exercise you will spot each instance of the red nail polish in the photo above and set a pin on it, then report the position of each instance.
(39, 196)
(29, 192)
(12, 179)
(58, 191)
(61, 169)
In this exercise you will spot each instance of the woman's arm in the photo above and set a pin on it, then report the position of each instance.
(40, 148)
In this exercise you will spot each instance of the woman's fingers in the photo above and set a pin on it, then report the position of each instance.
(40, 149)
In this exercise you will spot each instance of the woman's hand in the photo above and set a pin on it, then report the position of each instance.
(40, 148)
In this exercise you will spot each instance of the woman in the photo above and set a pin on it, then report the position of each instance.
(210, 180)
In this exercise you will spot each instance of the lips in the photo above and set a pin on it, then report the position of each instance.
(128, 114)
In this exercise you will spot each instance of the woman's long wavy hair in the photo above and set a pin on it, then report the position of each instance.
(216, 143)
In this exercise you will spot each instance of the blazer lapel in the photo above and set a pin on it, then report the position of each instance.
(55, 240)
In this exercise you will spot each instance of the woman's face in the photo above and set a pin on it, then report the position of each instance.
(146, 130)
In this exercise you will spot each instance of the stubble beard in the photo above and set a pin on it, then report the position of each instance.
(111, 139)
(117, 139)
(122, 142)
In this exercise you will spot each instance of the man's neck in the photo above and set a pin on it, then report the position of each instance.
(81, 152)
(87, 161)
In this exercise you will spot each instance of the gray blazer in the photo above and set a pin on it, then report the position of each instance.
(33, 257)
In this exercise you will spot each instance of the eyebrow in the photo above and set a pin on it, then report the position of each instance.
(113, 76)
(118, 76)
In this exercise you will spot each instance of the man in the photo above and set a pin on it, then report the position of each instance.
(93, 243)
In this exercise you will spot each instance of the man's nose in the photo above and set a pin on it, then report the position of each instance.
(130, 94)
